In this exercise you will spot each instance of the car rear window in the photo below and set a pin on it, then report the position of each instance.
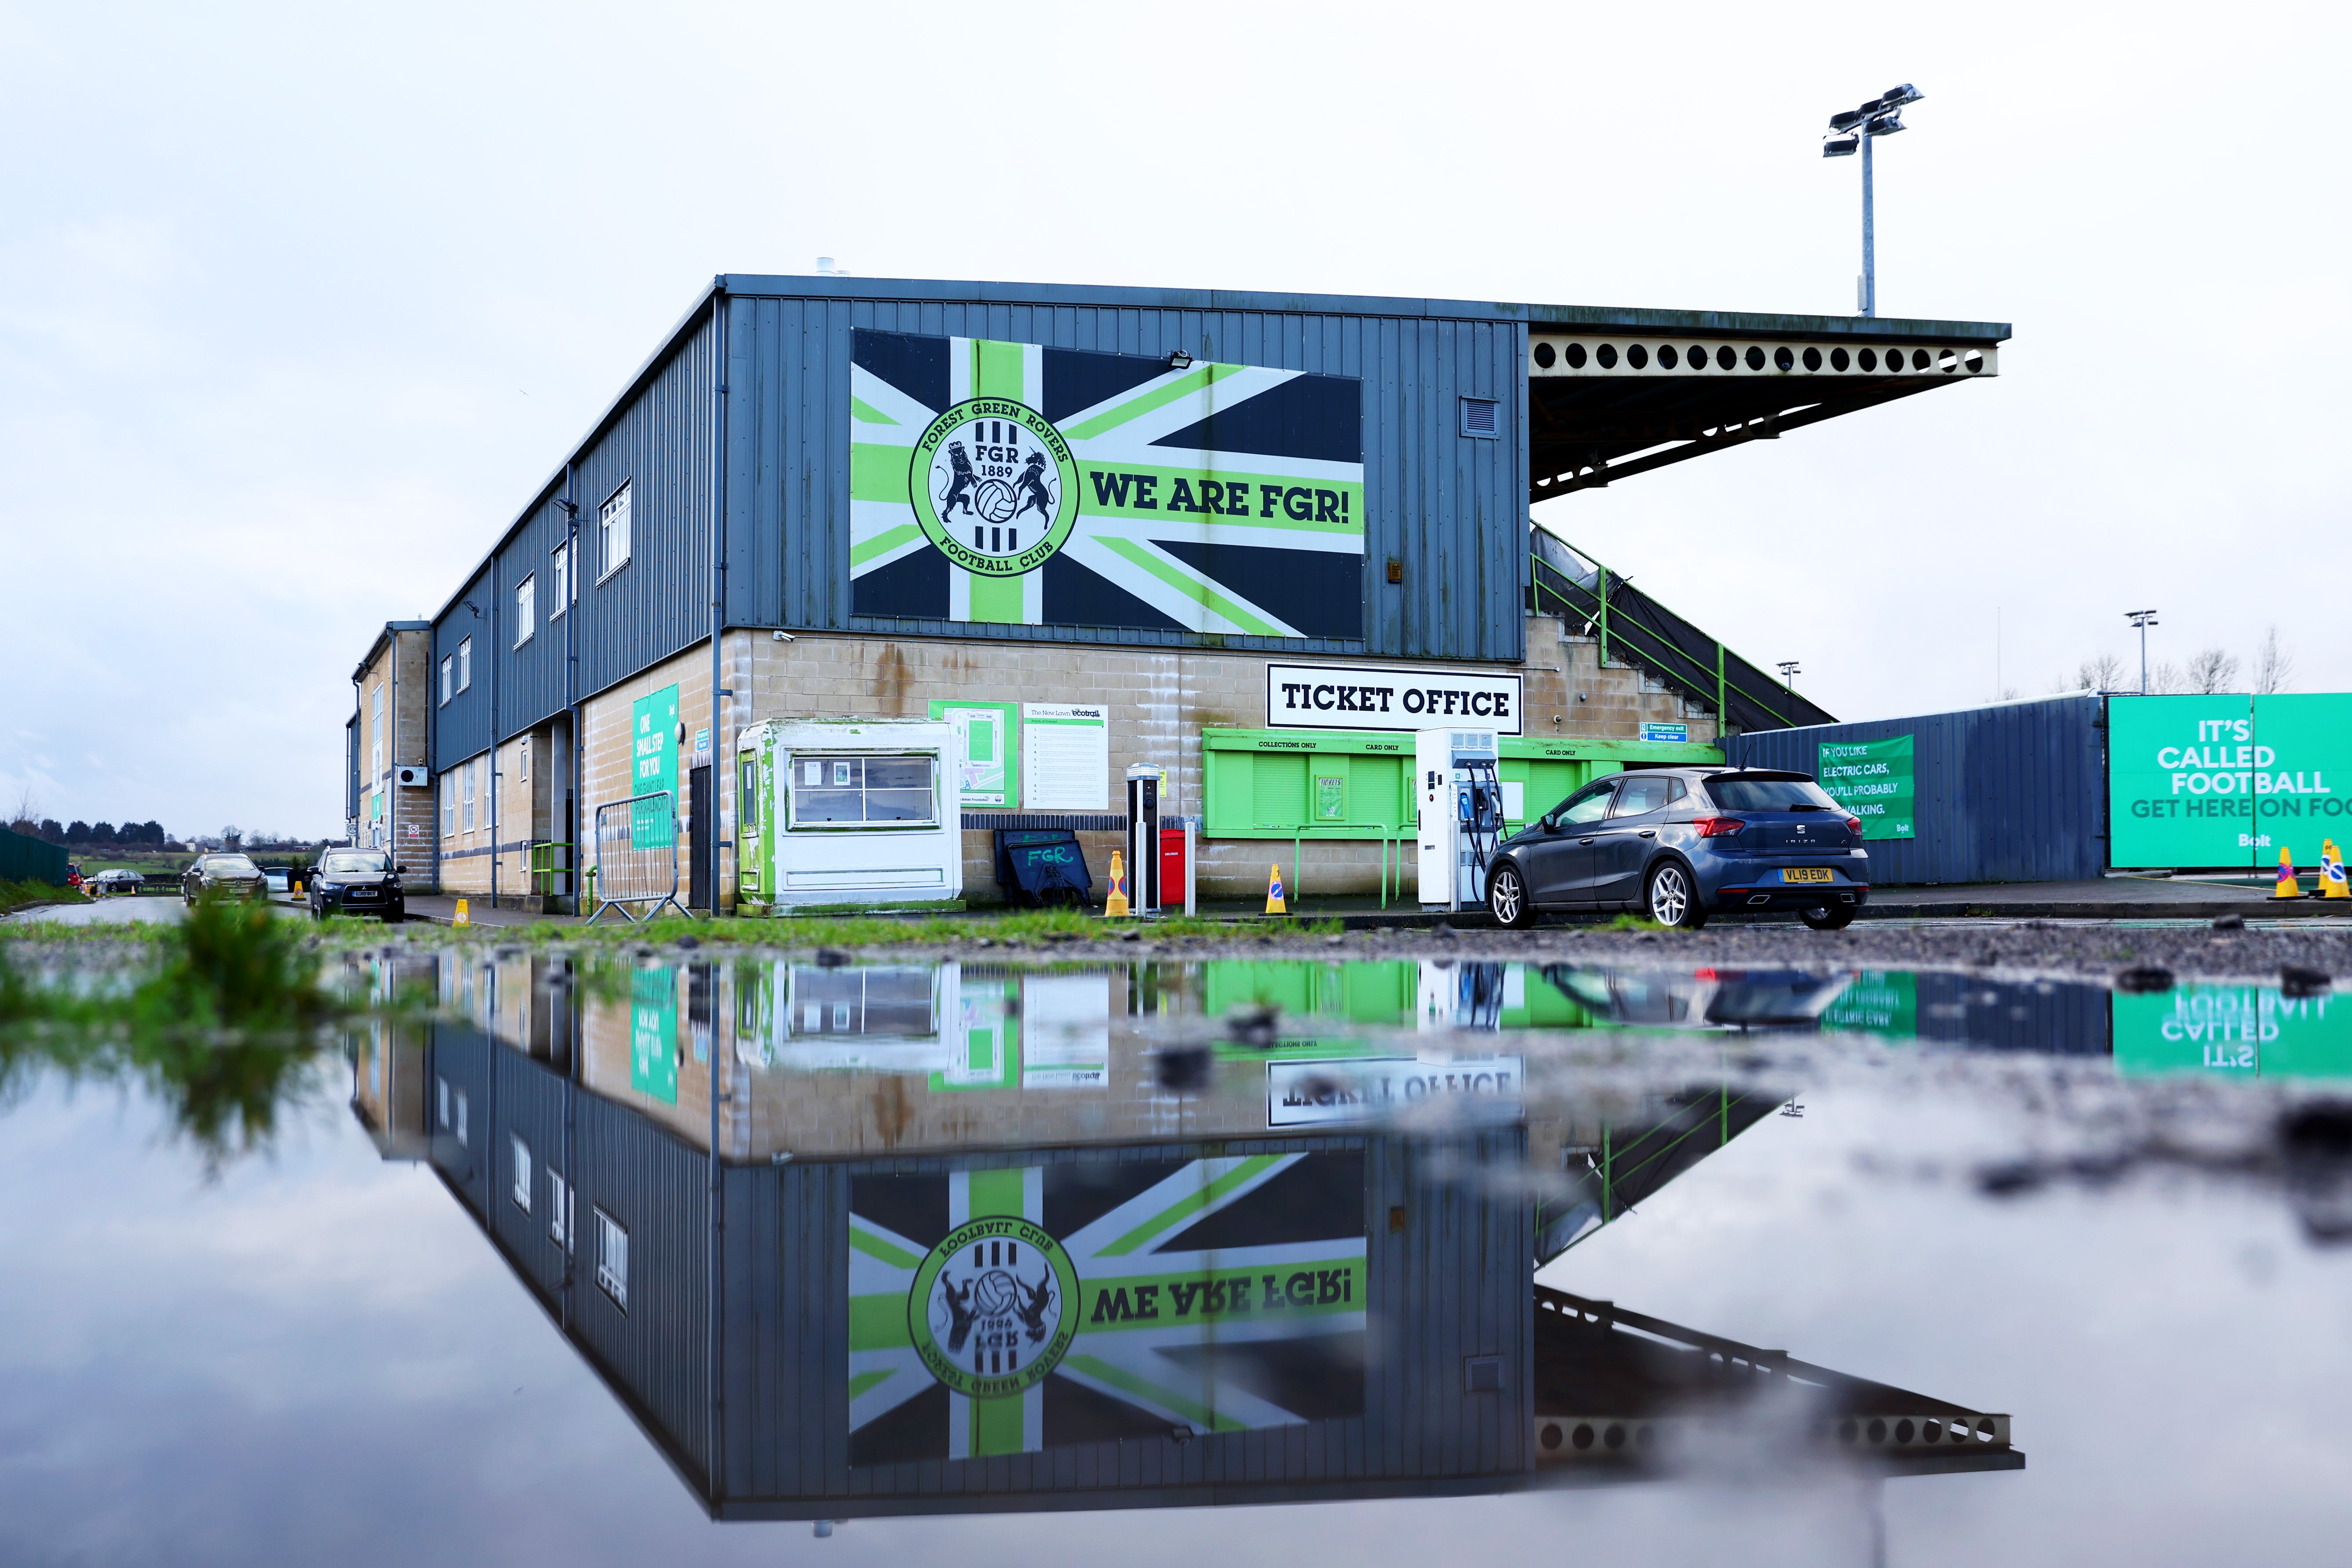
(1769, 795)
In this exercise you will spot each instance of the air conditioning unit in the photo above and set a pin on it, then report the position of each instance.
(413, 778)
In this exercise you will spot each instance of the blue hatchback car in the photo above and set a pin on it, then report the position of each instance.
(1679, 845)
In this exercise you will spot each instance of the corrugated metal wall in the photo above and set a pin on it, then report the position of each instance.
(2010, 793)
(658, 442)
(1449, 507)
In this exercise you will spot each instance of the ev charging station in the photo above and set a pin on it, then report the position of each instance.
(1460, 813)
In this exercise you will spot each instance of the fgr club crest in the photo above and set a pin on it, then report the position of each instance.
(993, 1308)
(994, 486)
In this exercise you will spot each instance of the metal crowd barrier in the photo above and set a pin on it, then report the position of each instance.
(636, 856)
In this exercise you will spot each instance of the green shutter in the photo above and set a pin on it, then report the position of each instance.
(1375, 792)
(1278, 791)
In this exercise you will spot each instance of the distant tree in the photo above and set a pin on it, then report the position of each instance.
(2273, 665)
(152, 832)
(230, 838)
(102, 834)
(2211, 671)
(28, 808)
(2102, 672)
(76, 832)
(2164, 676)
(53, 830)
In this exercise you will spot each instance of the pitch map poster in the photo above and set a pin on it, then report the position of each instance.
(1011, 483)
(1013, 1310)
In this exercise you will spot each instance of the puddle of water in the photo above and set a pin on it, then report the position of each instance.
(586, 1256)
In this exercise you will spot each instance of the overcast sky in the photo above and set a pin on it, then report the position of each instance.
(298, 306)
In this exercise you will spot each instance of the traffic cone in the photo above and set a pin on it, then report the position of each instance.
(2288, 888)
(461, 918)
(1115, 903)
(1274, 904)
(2331, 873)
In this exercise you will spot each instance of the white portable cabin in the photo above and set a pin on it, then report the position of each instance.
(848, 812)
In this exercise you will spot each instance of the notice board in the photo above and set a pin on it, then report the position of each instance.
(1065, 757)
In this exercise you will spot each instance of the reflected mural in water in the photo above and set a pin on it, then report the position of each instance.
(855, 1240)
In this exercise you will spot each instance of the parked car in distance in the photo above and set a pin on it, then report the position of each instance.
(122, 879)
(1680, 844)
(357, 882)
(234, 876)
(278, 877)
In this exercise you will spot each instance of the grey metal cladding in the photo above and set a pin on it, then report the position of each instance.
(461, 726)
(529, 677)
(2010, 793)
(1450, 508)
(659, 443)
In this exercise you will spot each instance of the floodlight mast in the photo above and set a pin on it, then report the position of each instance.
(2142, 619)
(1857, 128)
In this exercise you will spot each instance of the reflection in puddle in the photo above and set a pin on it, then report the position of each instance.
(985, 1236)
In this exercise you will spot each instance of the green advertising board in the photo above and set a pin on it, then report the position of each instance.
(1877, 1001)
(988, 761)
(653, 1033)
(654, 762)
(1872, 779)
(2234, 1031)
(2227, 781)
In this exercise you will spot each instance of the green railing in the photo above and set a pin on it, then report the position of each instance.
(544, 866)
(1672, 664)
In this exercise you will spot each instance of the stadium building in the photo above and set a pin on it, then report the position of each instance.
(1253, 540)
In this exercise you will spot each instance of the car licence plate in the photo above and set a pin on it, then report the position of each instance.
(1806, 874)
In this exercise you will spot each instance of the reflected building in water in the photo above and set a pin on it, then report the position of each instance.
(874, 1239)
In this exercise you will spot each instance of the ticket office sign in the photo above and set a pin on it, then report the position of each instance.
(1357, 696)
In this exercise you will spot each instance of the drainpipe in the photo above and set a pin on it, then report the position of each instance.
(719, 693)
(495, 659)
(572, 679)
(352, 764)
(714, 1435)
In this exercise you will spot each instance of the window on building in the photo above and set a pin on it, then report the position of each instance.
(466, 665)
(526, 608)
(559, 573)
(613, 523)
(466, 776)
(448, 667)
(612, 1259)
(559, 1212)
(448, 786)
(522, 760)
(849, 792)
(521, 1153)
(375, 746)
(460, 1128)
(441, 1090)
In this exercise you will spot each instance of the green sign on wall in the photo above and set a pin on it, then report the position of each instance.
(1872, 779)
(653, 753)
(2228, 781)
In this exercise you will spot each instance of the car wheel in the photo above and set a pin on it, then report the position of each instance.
(1822, 916)
(1507, 897)
(1672, 899)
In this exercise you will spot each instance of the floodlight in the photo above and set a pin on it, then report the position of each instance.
(1847, 119)
(1896, 97)
(1840, 147)
(1179, 360)
(1883, 125)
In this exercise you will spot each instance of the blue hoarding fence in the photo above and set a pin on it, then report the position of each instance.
(2011, 793)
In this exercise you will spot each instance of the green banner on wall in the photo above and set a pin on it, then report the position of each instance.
(653, 753)
(653, 1033)
(2228, 780)
(1872, 779)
